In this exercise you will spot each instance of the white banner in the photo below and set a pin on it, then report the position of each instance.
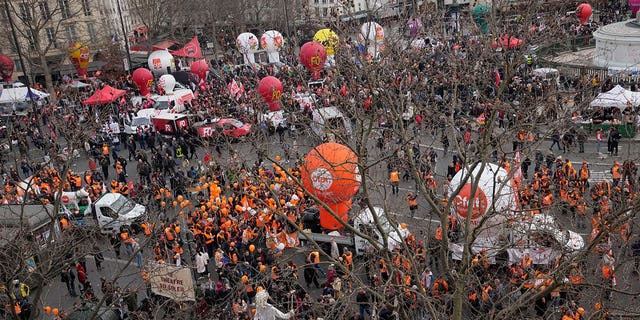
(539, 255)
(172, 282)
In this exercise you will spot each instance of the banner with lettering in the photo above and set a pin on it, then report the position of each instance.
(173, 282)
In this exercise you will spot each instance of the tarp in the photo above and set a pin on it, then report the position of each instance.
(164, 45)
(190, 50)
(617, 97)
(20, 94)
(105, 95)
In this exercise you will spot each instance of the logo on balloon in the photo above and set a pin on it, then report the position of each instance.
(478, 204)
(253, 43)
(276, 94)
(157, 63)
(167, 128)
(149, 83)
(321, 179)
(278, 42)
(315, 61)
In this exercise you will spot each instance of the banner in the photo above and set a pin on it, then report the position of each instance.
(190, 50)
(173, 282)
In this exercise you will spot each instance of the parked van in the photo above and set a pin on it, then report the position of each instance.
(329, 120)
(173, 103)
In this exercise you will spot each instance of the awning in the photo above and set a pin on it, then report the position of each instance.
(164, 45)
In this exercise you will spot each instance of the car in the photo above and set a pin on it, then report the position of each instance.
(131, 126)
(227, 127)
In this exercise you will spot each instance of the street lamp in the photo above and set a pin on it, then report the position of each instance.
(124, 36)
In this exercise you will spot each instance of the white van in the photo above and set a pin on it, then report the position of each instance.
(174, 103)
(329, 120)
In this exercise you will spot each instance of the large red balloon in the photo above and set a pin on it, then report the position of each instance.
(6, 68)
(583, 12)
(270, 88)
(200, 68)
(143, 79)
(313, 56)
(635, 6)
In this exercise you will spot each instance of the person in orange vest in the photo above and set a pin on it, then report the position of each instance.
(616, 173)
(412, 201)
(394, 179)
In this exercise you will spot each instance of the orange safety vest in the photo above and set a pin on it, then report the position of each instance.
(394, 177)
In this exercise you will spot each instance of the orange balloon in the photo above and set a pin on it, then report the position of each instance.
(177, 229)
(47, 309)
(272, 186)
(198, 189)
(206, 185)
(203, 208)
(55, 311)
(245, 278)
(161, 190)
(330, 172)
(183, 204)
(252, 248)
(175, 203)
(180, 198)
(341, 209)
(277, 158)
(163, 203)
(168, 194)
(181, 214)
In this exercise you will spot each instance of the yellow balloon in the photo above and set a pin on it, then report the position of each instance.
(328, 39)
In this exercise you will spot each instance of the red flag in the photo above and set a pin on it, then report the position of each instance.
(497, 78)
(190, 50)
(343, 91)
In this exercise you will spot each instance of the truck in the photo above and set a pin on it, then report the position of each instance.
(110, 212)
(172, 103)
(362, 221)
(501, 231)
(329, 120)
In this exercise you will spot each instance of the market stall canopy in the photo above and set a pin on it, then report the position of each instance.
(20, 94)
(190, 50)
(617, 97)
(104, 95)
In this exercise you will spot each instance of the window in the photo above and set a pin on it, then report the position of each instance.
(70, 31)
(108, 212)
(317, 12)
(91, 30)
(25, 11)
(325, 11)
(51, 37)
(65, 10)
(44, 10)
(86, 7)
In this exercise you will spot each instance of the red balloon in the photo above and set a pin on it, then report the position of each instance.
(313, 56)
(583, 12)
(200, 68)
(6, 68)
(635, 6)
(270, 88)
(143, 78)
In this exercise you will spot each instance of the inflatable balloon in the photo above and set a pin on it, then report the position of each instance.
(167, 82)
(159, 61)
(143, 79)
(330, 172)
(635, 6)
(247, 44)
(372, 32)
(328, 39)
(200, 68)
(6, 68)
(271, 41)
(480, 14)
(507, 41)
(583, 12)
(79, 54)
(372, 36)
(313, 56)
(493, 192)
(270, 88)
(341, 209)
(414, 27)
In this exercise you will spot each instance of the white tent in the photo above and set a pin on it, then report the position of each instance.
(20, 94)
(617, 97)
